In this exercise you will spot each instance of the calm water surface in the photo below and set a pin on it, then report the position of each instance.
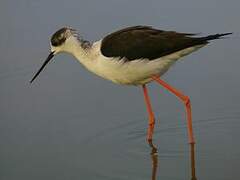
(72, 125)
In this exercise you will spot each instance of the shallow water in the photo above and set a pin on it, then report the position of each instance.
(70, 124)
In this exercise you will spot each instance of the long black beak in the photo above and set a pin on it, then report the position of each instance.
(50, 56)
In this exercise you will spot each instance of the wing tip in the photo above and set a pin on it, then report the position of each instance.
(216, 36)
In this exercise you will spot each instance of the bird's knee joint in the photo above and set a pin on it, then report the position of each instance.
(151, 124)
(187, 101)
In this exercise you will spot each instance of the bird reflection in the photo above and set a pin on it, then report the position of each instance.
(154, 159)
(192, 157)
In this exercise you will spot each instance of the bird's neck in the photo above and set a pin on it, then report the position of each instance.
(81, 50)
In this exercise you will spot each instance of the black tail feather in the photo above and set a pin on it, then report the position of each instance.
(215, 36)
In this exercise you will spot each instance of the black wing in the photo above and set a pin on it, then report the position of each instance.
(145, 42)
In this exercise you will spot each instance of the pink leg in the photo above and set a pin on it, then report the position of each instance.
(185, 100)
(151, 115)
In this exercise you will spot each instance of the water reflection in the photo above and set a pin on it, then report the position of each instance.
(192, 157)
(154, 159)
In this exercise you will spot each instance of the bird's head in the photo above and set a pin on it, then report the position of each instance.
(64, 40)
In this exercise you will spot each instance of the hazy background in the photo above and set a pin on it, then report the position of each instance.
(70, 124)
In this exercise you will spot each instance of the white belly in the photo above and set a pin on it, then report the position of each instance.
(132, 72)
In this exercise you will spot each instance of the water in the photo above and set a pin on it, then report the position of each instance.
(70, 124)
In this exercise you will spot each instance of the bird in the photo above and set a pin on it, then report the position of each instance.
(136, 55)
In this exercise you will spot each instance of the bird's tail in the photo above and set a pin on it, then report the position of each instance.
(214, 36)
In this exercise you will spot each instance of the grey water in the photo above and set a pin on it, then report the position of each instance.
(71, 124)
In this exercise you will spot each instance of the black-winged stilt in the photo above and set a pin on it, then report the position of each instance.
(132, 56)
